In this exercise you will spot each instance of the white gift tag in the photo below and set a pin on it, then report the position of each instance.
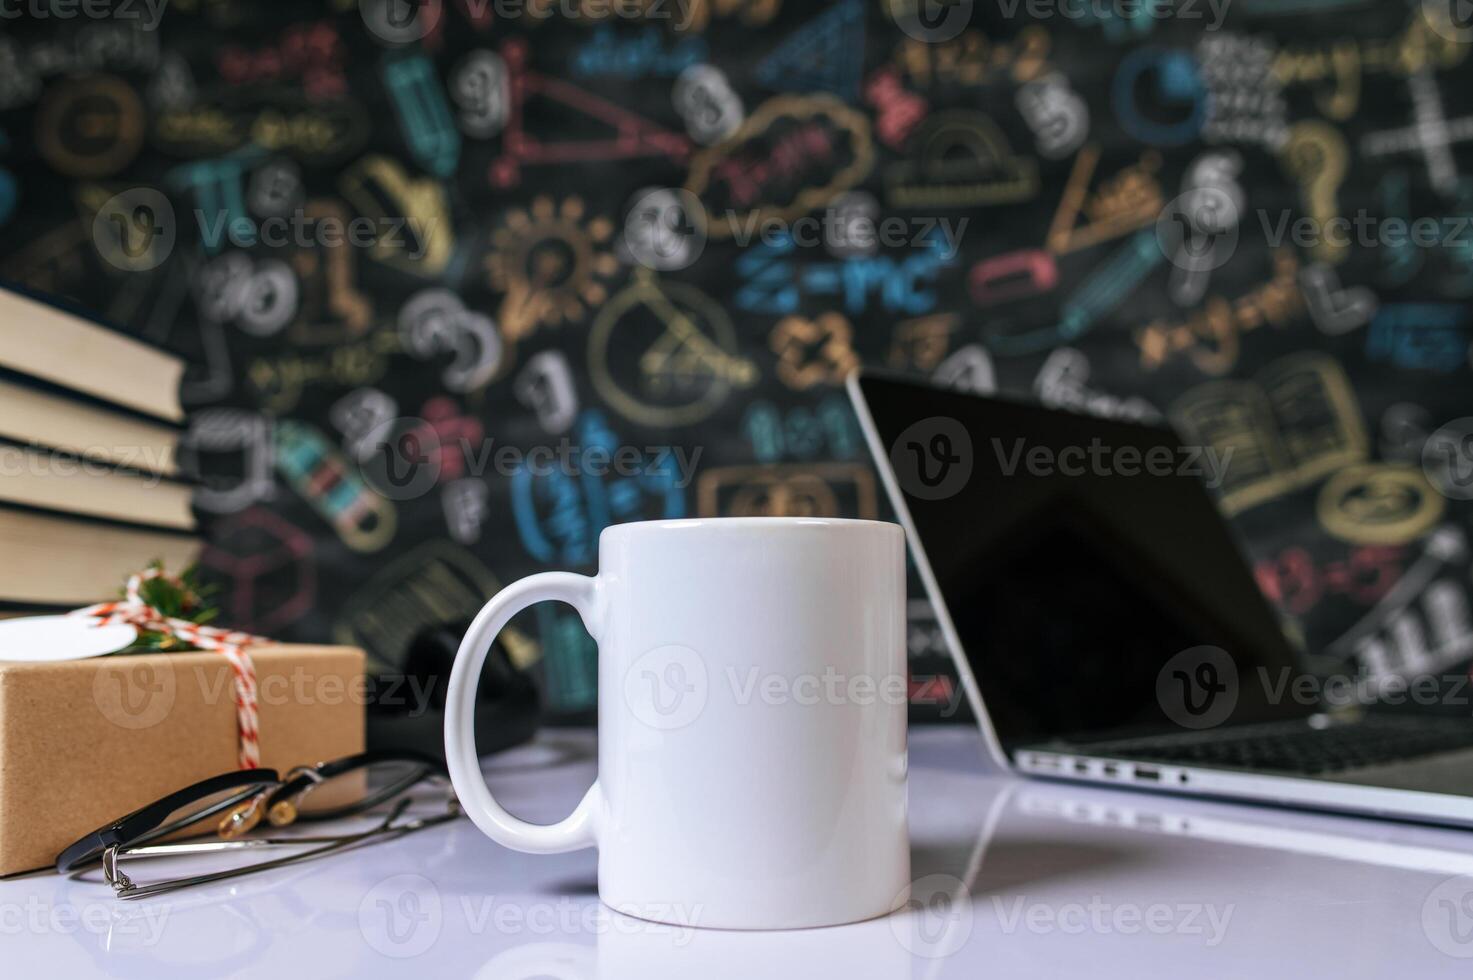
(46, 639)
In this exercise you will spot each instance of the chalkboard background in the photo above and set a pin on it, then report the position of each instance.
(633, 231)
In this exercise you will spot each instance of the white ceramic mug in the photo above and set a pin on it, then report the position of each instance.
(751, 712)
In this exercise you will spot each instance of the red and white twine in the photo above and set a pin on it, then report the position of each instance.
(229, 643)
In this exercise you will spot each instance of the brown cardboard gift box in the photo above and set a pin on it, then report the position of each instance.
(84, 742)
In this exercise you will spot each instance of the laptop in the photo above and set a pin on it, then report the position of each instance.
(1105, 625)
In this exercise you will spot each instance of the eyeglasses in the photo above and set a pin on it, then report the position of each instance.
(233, 805)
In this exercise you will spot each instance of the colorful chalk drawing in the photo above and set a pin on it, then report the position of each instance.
(423, 113)
(824, 55)
(631, 137)
(588, 235)
(560, 512)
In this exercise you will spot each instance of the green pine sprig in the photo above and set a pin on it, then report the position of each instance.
(188, 599)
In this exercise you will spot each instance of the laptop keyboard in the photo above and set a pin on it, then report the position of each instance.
(1297, 748)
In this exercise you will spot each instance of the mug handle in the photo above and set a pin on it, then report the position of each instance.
(579, 828)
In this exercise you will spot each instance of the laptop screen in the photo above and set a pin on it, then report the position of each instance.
(1095, 589)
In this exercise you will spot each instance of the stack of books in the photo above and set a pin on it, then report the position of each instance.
(90, 489)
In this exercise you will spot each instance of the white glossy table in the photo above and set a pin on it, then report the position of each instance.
(1017, 879)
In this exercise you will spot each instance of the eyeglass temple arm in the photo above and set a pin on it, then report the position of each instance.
(125, 888)
(212, 846)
